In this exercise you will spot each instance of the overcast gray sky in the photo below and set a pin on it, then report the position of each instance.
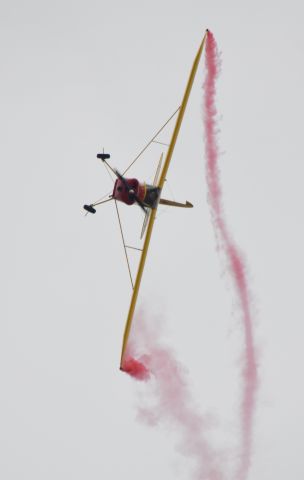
(76, 77)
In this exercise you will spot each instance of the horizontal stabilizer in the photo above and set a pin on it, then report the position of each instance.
(170, 203)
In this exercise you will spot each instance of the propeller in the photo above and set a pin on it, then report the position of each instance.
(130, 191)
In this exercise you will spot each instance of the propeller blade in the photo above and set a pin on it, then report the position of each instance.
(119, 175)
(140, 204)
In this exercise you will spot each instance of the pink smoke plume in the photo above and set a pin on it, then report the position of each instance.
(173, 404)
(236, 262)
(147, 359)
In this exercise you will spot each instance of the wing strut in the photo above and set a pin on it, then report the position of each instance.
(124, 244)
(151, 141)
(160, 185)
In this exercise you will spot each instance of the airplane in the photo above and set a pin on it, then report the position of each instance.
(131, 191)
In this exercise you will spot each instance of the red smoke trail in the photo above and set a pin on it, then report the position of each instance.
(133, 367)
(236, 262)
(146, 359)
(172, 399)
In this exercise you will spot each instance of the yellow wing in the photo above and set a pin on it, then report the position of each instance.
(160, 185)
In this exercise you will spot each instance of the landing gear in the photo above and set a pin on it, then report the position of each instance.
(103, 156)
(89, 208)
